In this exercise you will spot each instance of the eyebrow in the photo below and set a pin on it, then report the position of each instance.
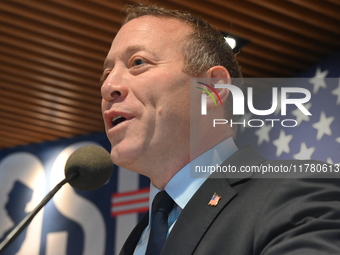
(129, 50)
(107, 62)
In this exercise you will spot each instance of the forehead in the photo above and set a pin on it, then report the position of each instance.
(150, 30)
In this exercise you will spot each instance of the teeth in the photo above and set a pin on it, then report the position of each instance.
(116, 118)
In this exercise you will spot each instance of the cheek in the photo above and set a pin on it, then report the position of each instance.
(175, 108)
(167, 92)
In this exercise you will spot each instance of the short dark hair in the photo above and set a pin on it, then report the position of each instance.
(205, 47)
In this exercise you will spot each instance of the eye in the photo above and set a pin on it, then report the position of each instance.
(138, 62)
(104, 76)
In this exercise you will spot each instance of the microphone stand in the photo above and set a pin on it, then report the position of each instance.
(21, 226)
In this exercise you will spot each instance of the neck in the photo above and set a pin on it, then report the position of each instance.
(197, 147)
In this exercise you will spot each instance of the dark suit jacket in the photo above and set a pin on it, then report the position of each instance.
(256, 215)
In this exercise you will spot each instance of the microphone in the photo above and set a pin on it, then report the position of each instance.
(88, 168)
(92, 165)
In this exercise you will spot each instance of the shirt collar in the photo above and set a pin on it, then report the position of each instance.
(182, 186)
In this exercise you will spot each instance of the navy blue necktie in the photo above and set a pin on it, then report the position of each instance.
(161, 207)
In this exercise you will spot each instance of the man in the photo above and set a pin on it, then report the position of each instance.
(148, 107)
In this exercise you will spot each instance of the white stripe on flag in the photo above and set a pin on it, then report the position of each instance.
(130, 208)
(130, 202)
(125, 198)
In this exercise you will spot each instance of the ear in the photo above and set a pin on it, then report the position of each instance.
(218, 75)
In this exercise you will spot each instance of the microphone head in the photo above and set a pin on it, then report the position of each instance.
(93, 165)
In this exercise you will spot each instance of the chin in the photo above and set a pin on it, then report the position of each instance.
(124, 158)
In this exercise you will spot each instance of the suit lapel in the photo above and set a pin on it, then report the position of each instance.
(246, 156)
(197, 216)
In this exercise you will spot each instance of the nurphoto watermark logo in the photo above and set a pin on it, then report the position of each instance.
(286, 118)
(282, 97)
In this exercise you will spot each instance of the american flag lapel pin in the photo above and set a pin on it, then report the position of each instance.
(214, 200)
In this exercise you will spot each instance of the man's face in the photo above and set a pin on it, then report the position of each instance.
(145, 94)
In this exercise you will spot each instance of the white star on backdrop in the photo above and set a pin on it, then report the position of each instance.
(263, 134)
(323, 126)
(330, 161)
(318, 80)
(336, 92)
(300, 116)
(305, 153)
(282, 143)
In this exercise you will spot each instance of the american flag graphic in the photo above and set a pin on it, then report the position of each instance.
(214, 200)
(130, 202)
(316, 136)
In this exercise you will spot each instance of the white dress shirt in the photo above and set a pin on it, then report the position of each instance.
(182, 186)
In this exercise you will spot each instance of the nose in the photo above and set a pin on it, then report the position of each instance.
(111, 90)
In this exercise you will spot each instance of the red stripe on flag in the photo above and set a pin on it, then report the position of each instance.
(139, 210)
(129, 199)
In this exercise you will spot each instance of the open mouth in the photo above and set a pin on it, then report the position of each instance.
(117, 120)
